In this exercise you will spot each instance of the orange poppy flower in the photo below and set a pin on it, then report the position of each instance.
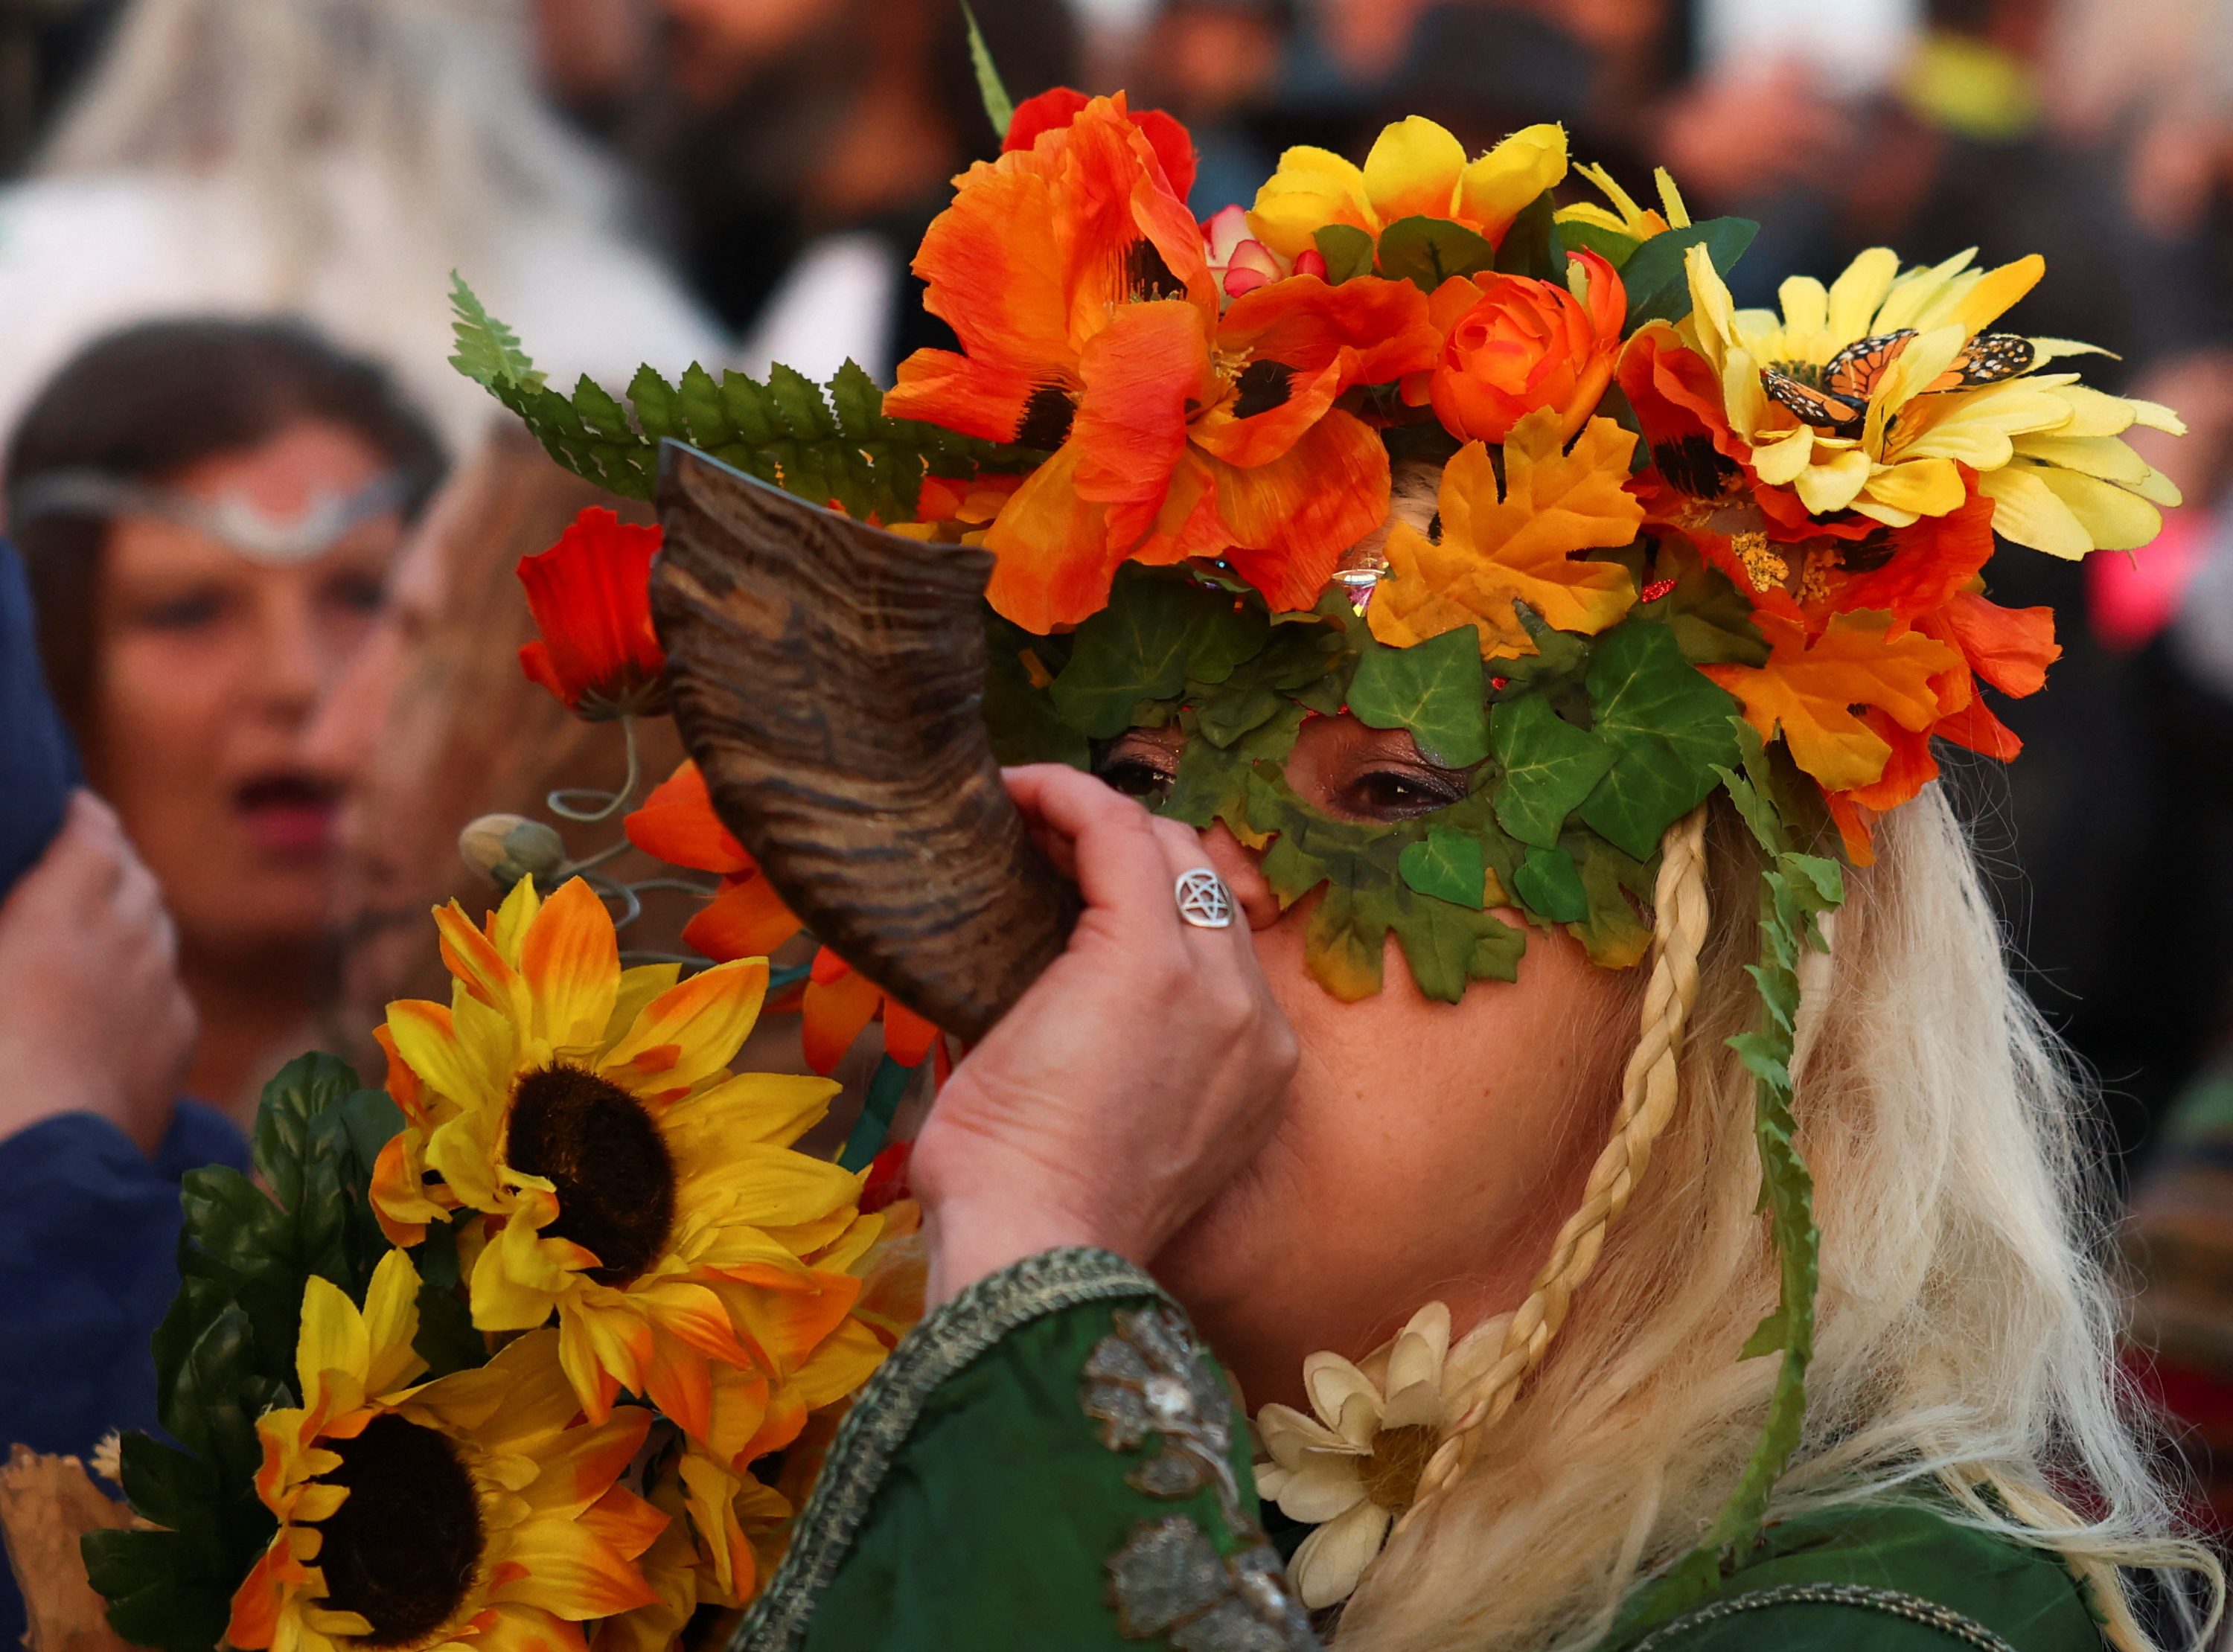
(1088, 313)
(590, 595)
(840, 1001)
(1051, 111)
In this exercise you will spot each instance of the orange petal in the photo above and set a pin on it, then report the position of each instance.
(1292, 519)
(571, 962)
(677, 824)
(1054, 565)
(835, 1012)
(2010, 648)
(1141, 372)
(908, 1036)
(747, 919)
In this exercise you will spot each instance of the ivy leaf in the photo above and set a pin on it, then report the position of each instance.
(1433, 688)
(1347, 250)
(1447, 865)
(1659, 285)
(1428, 252)
(1612, 933)
(1551, 885)
(1710, 617)
(1549, 766)
(1299, 660)
(1667, 726)
(1020, 716)
(1160, 630)
(1212, 783)
(1528, 248)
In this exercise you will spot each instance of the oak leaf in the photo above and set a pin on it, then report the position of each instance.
(1810, 693)
(1516, 544)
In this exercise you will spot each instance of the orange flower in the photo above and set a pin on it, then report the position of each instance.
(590, 595)
(1078, 285)
(1051, 111)
(1512, 345)
(840, 1001)
(677, 824)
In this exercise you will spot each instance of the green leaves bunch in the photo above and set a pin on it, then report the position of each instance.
(226, 1351)
(830, 444)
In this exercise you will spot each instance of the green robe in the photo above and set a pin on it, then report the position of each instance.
(1051, 1460)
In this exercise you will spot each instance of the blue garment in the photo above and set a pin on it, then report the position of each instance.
(38, 764)
(88, 1264)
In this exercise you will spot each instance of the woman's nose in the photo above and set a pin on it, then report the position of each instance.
(294, 663)
(1242, 876)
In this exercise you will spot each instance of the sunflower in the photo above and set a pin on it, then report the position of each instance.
(2044, 448)
(722, 1539)
(623, 1178)
(475, 1511)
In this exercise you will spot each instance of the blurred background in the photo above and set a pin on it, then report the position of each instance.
(198, 194)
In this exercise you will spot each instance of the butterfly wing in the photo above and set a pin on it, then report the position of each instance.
(1851, 374)
(1987, 359)
(1825, 411)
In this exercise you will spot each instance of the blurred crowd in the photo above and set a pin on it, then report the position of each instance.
(270, 532)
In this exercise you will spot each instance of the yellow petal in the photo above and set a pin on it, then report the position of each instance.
(571, 960)
(333, 1337)
(1832, 484)
(1856, 293)
(2155, 416)
(2025, 511)
(1671, 199)
(1313, 188)
(2158, 489)
(1927, 487)
(514, 916)
(638, 987)
(1914, 294)
(2112, 518)
(1780, 462)
(776, 1108)
(1496, 189)
(515, 1283)
(1414, 168)
(1807, 319)
(2102, 456)
(1711, 307)
(1993, 293)
(1745, 402)
(391, 1320)
(689, 1033)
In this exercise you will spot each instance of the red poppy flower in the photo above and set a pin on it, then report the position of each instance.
(590, 595)
(677, 824)
(1051, 111)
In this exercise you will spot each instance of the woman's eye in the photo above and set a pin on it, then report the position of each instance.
(1136, 776)
(357, 593)
(191, 612)
(1396, 794)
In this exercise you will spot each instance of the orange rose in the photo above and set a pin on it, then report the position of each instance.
(1511, 345)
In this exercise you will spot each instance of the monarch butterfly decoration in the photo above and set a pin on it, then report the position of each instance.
(1835, 397)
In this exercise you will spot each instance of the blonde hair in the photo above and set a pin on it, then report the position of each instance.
(1965, 1344)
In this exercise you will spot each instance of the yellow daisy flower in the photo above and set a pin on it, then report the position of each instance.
(623, 1178)
(1416, 169)
(475, 1511)
(2045, 446)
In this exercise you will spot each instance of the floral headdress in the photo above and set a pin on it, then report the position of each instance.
(1672, 549)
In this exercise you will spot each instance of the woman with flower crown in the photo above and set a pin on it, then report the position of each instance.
(1469, 952)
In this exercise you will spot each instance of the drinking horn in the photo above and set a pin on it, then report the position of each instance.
(829, 678)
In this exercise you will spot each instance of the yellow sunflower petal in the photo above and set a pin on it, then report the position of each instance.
(332, 1351)
(426, 1041)
(517, 1283)
(479, 965)
(514, 918)
(1413, 168)
(773, 1108)
(1914, 294)
(638, 987)
(568, 1570)
(570, 960)
(689, 1033)
(391, 1320)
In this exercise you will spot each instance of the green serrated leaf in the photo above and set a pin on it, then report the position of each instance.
(1550, 884)
(1547, 767)
(1347, 250)
(1446, 865)
(1668, 725)
(1428, 252)
(1658, 287)
(488, 351)
(1527, 248)
(1000, 107)
(1434, 689)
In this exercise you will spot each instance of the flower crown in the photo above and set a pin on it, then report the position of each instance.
(1674, 547)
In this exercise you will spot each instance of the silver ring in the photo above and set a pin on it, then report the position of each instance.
(1204, 901)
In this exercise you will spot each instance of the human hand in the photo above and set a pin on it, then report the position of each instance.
(92, 1018)
(1129, 1084)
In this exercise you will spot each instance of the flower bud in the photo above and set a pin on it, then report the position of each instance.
(507, 847)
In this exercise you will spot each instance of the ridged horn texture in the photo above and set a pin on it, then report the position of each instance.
(829, 677)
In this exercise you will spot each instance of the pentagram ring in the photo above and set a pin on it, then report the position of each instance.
(1204, 901)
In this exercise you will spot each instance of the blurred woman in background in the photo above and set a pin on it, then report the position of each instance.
(334, 160)
(208, 512)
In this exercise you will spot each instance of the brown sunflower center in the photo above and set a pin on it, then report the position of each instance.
(1399, 1457)
(601, 1150)
(405, 1546)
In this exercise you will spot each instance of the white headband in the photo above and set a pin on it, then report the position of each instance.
(233, 516)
